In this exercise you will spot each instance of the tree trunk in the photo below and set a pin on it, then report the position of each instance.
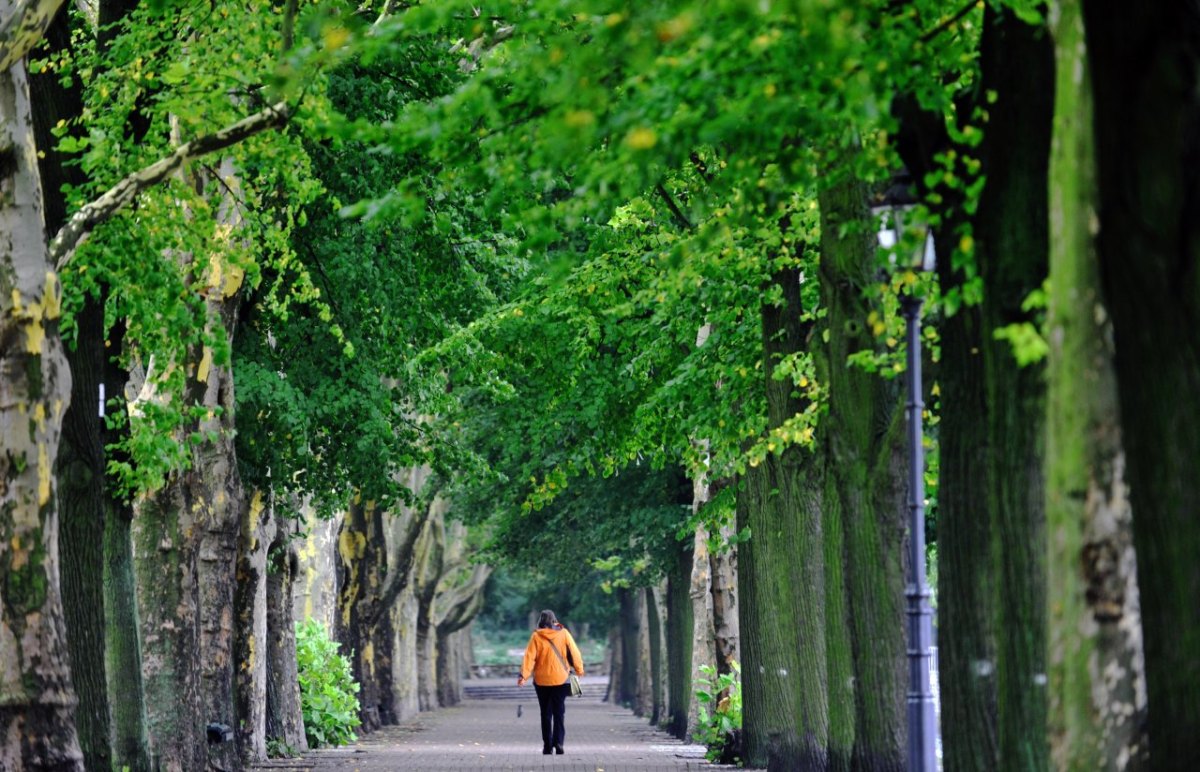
(449, 673)
(866, 483)
(405, 662)
(703, 633)
(643, 704)
(284, 722)
(455, 605)
(616, 666)
(425, 580)
(1143, 67)
(169, 609)
(81, 489)
(679, 643)
(657, 665)
(723, 578)
(37, 729)
(966, 577)
(126, 689)
(781, 575)
(1012, 237)
(258, 532)
(361, 571)
(1097, 672)
(630, 632)
(185, 539)
(966, 572)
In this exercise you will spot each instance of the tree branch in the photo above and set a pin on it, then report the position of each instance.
(402, 558)
(949, 21)
(23, 29)
(71, 235)
(679, 216)
(462, 602)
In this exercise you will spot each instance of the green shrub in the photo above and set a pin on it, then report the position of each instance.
(327, 691)
(720, 725)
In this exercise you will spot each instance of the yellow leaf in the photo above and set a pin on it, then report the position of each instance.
(641, 138)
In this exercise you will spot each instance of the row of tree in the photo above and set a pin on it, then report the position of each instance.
(148, 599)
(586, 242)
(715, 167)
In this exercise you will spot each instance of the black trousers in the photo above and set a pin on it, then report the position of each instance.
(553, 703)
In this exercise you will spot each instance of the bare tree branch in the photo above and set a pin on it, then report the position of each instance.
(22, 29)
(71, 235)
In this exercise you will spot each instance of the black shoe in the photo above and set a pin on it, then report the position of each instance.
(558, 749)
(546, 750)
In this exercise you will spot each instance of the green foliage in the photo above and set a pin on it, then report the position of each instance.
(327, 690)
(720, 711)
(279, 749)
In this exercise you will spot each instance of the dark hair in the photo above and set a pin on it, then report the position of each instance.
(547, 620)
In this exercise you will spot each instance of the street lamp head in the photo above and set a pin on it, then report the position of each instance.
(899, 227)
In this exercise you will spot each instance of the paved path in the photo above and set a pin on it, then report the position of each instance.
(489, 735)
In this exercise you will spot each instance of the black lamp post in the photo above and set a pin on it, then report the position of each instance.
(922, 722)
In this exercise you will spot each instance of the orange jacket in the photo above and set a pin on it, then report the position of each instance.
(541, 662)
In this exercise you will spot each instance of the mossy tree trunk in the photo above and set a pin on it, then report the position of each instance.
(781, 574)
(991, 538)
(1012, 237)
(81, 488)
(865, 492)
(630, 634)
(1143, 65)
(37, 729)
(1097, 671)
(655, 631)
(679, 643)
(98, 591)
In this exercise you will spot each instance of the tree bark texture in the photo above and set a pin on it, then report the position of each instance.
(185, 544)
(643, 704)
(284, 722)
(723, 574)
(1013, 241)
(865, 487)
(361, 569)
(703, 633)
(37, 700)
(315, 592)
(966, 577)
(123, 648)
(168, 605)
(1143, 65)
(405, 662)
(630, 633)
(781, 575)
(679, 643)
(1097, 672)
(455, 605)
(966, 595)
(429, 571)
(257, 534)
(654, 618)
(81, 488)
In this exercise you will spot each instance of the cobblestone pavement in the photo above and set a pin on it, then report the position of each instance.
(490, 735)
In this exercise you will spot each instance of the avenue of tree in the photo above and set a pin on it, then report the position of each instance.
(414, 290)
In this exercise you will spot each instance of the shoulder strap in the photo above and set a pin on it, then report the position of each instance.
(554, 649)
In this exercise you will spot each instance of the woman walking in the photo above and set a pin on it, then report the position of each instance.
(550, 650)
